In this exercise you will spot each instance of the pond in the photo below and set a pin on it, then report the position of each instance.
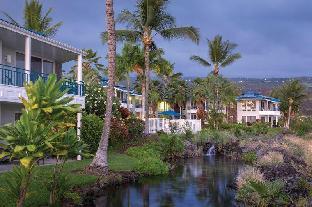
(195, 183)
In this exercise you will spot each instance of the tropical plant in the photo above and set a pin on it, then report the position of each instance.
(217, 92)
(131, 57)
(291, 94)
(96, 99)
(221, 54)
(29, 140)
(47, 98)
(149, 19)
(92, 69)
(35, 20)
(176, 91)
(100, 162)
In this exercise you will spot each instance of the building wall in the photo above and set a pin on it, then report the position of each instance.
(248, 112)
(8, 112)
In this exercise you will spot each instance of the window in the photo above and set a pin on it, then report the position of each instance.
(47, 67)
(36, 65)
(193, 116)
(20, 60)
(243, 105)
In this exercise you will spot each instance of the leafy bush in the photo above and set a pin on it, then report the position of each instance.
(135, 127)
(170, 146)
(210, 135)
(256, 193)
(149, 161)
(302, 126)
(260, 128)
(118, 134)
(271, 159)
(96, 101)
(254, 190)
(249, 157)
(124, 112)
(91, 131)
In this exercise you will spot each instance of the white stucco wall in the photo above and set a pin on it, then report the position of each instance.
(7, 112)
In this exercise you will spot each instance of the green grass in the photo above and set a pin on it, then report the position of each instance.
(39, 194)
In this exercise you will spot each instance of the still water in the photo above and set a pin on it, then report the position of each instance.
(195, 183)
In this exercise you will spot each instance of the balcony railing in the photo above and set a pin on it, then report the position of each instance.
(18, 77)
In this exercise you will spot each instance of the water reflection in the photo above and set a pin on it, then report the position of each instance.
(198, 182)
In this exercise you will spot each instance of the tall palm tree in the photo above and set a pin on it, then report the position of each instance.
(151, 18)
(35, 20)
(100, 162)
(127, 61)
(220, 54)
(291, 94)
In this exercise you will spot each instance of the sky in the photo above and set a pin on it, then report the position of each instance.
(274, 37)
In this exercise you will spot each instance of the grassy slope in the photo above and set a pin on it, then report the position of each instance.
(39, 194)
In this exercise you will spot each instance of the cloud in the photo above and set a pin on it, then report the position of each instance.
(274, 37)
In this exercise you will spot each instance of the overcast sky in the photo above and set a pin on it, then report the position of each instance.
(273, 36)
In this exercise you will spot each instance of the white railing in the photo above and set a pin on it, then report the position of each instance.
(175, 125)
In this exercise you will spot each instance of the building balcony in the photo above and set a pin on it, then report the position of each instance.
(12, 76)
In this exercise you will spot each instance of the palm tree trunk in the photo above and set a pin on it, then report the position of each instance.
(100, 163)
(216, 70)
(147, 43)
(288, 117)
(128, 92)
(143, 98)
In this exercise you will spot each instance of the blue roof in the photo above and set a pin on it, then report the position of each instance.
(251, 95)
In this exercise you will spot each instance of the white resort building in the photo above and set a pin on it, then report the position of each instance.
(252, 107)
(25, 56)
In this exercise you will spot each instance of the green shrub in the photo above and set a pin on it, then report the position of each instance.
(260, 128)
(302, 126)
(149, 160)
(91, 131)
(210, 135)
(119, 135)
(170, 146)
(135, 128)
(249, 157)
(255, 193)
(152, 166)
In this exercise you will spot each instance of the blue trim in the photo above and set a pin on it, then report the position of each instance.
(10, 75)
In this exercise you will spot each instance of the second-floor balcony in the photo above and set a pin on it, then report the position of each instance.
(12, 76)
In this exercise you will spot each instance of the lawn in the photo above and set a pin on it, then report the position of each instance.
(38, 192)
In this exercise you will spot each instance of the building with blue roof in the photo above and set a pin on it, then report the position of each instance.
(253, 106)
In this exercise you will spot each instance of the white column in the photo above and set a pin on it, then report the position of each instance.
(0, 51)
(79, 115)
(79, 71)
(28, 57)
(79, 68)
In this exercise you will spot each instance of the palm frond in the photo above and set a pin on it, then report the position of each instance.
(123, 35)
(200, 60)
(230, 59)
(129, 18)
(191, 33)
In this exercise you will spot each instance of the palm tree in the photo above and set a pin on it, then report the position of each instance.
(91, 68)
(129, 59)
(220, 54)
(291, 94)
(100, 162)
(150, 18)
(36, 21)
